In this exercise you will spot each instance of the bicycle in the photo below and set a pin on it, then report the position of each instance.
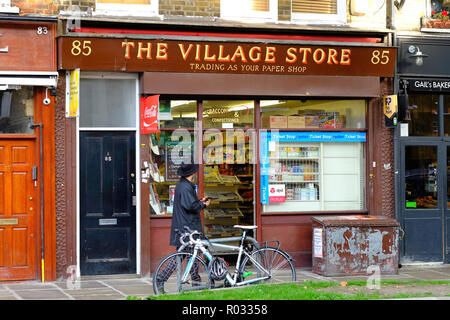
(264, 264)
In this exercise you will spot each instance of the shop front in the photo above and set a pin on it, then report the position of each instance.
(282, 131)
(422, 149)
(28, 78)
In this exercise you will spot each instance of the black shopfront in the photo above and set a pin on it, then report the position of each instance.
(422, 144)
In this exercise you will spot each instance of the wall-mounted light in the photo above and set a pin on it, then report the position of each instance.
(417, 55)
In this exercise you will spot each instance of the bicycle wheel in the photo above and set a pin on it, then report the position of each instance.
(169, 272)
(276, 262)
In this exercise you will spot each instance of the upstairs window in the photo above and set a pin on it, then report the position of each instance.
(256, 10)
(5, 7)
(127, 7)
(319, 11)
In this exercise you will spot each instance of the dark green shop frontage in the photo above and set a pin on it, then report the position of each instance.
(422, 144)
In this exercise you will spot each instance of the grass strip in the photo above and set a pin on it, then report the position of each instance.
(307, 290)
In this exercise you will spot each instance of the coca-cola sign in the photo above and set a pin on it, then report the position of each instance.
(149, 114)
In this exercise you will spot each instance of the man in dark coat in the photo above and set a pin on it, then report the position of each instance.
(186, 212)
(186, 205)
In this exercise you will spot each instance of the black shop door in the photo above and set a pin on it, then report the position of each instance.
(425, 206)
(107, 203)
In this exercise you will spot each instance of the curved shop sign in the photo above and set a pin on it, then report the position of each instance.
(135, 55)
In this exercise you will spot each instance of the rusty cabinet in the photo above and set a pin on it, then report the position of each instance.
(349, 245)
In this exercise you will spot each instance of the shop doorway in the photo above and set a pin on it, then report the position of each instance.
(107, 202)
(425, 201)
(18, 209)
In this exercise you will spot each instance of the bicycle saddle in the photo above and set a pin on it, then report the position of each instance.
(245, 227)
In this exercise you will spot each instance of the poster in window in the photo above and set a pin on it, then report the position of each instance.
(174, 157)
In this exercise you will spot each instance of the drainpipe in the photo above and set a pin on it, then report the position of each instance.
(390, 14)
(32, 126)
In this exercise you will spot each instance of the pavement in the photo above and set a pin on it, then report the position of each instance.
(119, 287)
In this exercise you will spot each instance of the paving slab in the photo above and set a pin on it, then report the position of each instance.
(90, 284)
(49, 294)
(135, 290)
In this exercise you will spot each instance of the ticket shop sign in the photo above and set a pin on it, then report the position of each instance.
(137, 55)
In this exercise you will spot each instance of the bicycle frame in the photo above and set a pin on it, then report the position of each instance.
(233, 280)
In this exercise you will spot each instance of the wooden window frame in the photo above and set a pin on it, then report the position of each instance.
(314, 18)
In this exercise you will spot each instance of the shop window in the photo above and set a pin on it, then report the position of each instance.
(107, 103)
(318, 170)
(447, 115)
(128, 7)
(168, 149)
(420, 177)
(175, 144)
(228, 171)
(177, 113)
(312, 171)
(313, 114)
(262, 10)
(422, 115)
(228, 114)
(16, 110)
(319, 11)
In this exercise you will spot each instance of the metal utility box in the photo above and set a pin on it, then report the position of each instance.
(349, 245)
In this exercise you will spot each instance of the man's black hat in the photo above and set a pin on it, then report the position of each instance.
(186, 170)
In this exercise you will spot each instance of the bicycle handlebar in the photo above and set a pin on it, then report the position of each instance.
(189, 233)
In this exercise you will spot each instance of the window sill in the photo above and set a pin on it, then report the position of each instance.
(249, 19)
(126, 13)
(9, 9)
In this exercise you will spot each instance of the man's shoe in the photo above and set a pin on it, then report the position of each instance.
(160, 286)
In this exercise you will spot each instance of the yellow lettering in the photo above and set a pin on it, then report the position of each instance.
(127, 46)
(239, 53)
(221, 57)
(345, 56)
(305, 52)
(161, 52)
(270, 54)
(256, 58)
(291, 55)
(332, 53)
(197, 53)
(141, 49)
(185, 53)
(316, 54)
(207, 57)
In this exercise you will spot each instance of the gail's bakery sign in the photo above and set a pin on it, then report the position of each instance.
(219, 57)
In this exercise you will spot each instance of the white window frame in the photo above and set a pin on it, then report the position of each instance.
(5, 7)
(238, 10)
(135, 10)
(316, 18)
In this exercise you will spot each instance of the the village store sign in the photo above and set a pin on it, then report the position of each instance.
(219, 57)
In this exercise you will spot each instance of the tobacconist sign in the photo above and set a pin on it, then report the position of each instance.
(133, 55)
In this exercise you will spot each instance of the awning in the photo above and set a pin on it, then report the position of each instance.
(11, 79)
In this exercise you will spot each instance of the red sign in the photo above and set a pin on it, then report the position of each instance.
(149, 114)
(277, 193)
